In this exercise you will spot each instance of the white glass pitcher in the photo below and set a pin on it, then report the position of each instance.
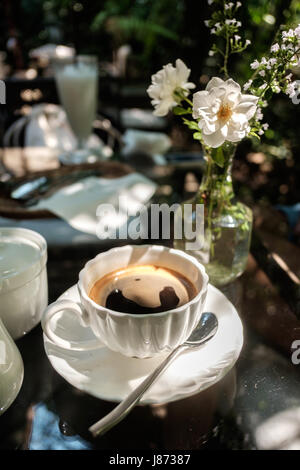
(11, 369)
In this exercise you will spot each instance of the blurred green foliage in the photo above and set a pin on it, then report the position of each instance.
(157, 30)
(151, 27)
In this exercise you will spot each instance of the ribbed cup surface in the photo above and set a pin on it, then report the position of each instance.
(150, 334)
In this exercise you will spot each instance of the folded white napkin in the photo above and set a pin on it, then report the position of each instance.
(149, 142)
(146, 141)
(78, 202)
(142, 119)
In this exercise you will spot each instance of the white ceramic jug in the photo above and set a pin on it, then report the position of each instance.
(11, 369)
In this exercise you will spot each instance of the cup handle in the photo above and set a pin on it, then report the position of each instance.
(54, 309)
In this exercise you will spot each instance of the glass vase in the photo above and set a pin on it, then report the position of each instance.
(224, 248)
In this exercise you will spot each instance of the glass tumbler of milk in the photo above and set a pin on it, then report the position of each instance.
(77, 84)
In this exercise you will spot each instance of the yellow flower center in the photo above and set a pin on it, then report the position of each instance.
(224, 112)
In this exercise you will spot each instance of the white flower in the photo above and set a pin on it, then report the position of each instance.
(272, 61)
(297, 31)
(262, 73)
(247, 42)
(223, 112)
(238, 4)
(275, 47)
(165, 82)
(248, 85)
(254, 65)
(291, 89)
(259, 115)
(286, 35)
(263, 86)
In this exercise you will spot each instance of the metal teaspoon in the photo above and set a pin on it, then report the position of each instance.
(204, 331)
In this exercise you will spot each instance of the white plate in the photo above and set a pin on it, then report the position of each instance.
(111, 376)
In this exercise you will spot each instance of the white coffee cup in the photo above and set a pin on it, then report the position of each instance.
(23, 279)
(143, 335)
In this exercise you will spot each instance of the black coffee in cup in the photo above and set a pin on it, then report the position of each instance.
(142, 290)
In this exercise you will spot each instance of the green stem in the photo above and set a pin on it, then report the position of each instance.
(226, 55)
(228, 162)
(216, 190)
(210, 202)
(188, 101)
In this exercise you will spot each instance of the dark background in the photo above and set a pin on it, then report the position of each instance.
(158, 32)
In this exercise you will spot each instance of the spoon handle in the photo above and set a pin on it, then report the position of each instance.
(121, 410)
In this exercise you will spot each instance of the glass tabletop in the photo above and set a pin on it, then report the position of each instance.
(255, 406)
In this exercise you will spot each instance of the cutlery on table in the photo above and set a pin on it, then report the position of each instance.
(29, 192)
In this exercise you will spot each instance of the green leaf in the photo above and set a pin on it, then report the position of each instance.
(197, 135)
(253, 134)
(218, 156)
(99, 20)
(179, 111)
(191, 124)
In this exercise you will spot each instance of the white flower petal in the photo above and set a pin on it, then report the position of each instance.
(214, 82)
(209, 126)
(189, 85)
(246, 108)
(231, 85)
(224, 130)
(200, 100)
(163, 107)
(249, 98)
(238, 120)
(182, 72)
(232, 98)
(214, 140)
(236, 136)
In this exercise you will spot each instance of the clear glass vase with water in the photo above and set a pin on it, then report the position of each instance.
(227, 222)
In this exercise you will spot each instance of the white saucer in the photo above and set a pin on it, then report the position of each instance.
(111, 376)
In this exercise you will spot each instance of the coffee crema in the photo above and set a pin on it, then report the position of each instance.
(142, 289)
